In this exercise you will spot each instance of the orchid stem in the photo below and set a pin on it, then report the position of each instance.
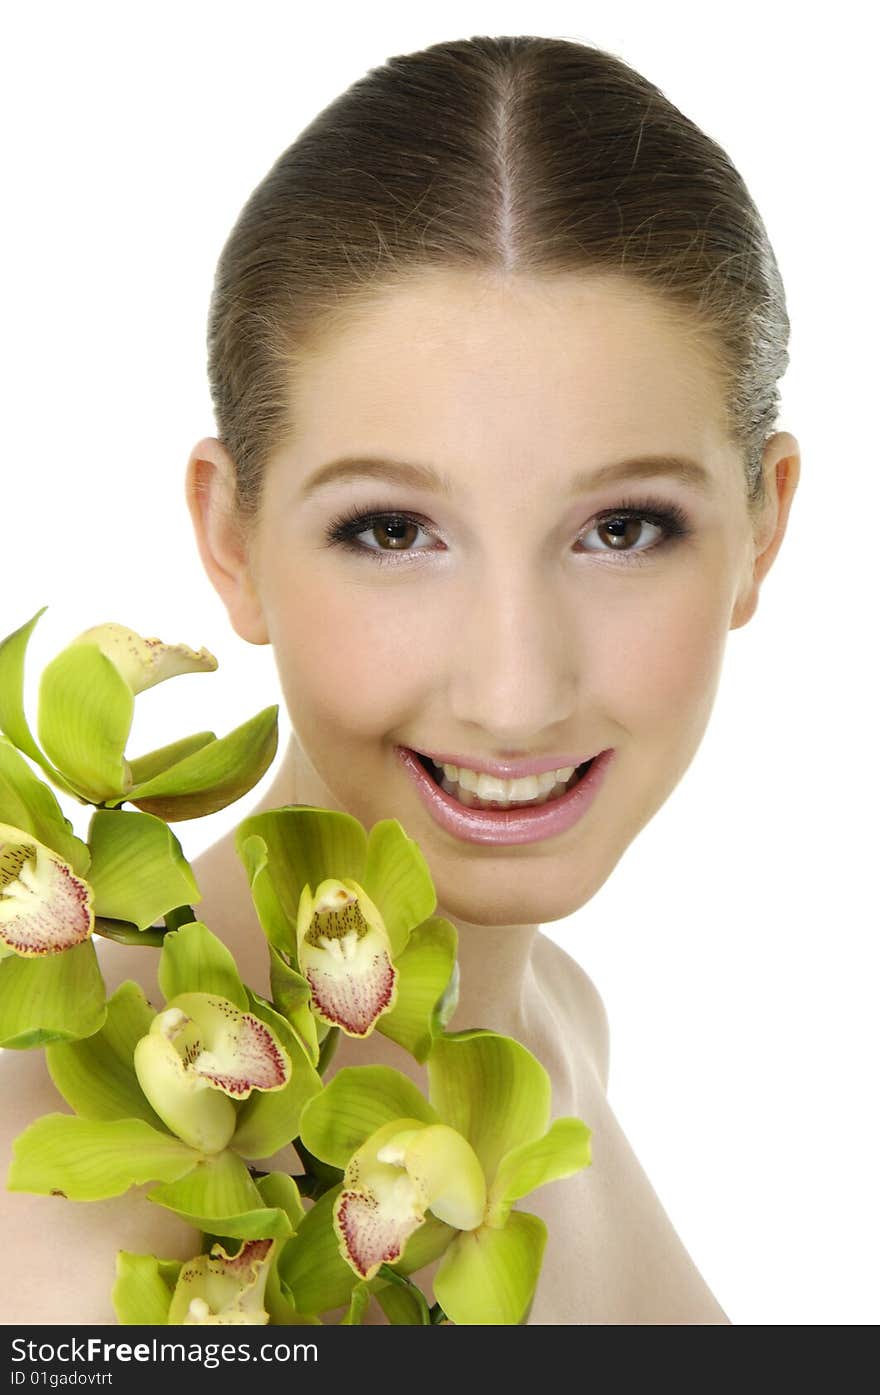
(328, 1049)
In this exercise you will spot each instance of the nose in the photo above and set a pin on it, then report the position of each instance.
(514, 666)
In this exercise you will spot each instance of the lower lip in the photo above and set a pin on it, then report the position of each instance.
(521, 825)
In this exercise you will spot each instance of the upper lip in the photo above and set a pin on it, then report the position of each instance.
(504, 770)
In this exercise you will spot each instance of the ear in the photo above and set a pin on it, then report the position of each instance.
(782, 467)
(210, 497)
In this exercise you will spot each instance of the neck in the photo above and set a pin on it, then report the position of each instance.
(497, 975)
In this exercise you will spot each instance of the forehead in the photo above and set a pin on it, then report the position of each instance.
(514, 368)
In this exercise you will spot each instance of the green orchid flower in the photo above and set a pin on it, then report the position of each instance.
(200, 1056)
(45, 908)
(348, 918)
(219, 1287)
(55, 890)
(481, 1142)
(180, 1097)
(84, 716)
(51, 988)
(222, 1289)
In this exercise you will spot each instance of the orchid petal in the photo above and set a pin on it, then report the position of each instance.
(492, 1090)
(403, 1306)
(220, 1197)
(564, 1149)
(279, 1190)
(144, 662)
(310, 1264)
(344, 952)
(271, 1118)
(60, 997)
(211, 777)
(292, 997)
(356, 1102)
(426, 968)
(224, 1289)
(317, 1275)
(84, 715)
(146, 767)
(96, 1076)
(303, 847)
(444, 1169)
(45, 908)
(91, 1159)
(200, 1054)
(28, 803)
(424, 1246)
(13, 720)
(138, 871)
(360, 1298)
(143, 1288)
(277, 918)
(380, 1203)
(195, 960)
(238, 1052)
(398, 879)
(281, 1307)
(186, 1103)
(489, 1275)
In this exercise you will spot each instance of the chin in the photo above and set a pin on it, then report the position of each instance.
(494, 905)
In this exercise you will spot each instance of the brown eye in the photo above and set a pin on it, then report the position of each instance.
(396, 533)
(624, 533)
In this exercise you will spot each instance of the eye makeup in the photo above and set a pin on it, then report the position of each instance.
(346, 528)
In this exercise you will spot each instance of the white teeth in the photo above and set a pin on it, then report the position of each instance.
(477, 790)
(532, 788)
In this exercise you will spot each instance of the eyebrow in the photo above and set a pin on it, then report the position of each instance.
(418, 476)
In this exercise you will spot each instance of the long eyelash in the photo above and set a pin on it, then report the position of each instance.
(344, 529)
(670, 517)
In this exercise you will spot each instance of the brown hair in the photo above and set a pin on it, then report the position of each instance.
(512, 153)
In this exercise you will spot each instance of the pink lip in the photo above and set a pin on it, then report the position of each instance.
(504, 770)
(523, 825)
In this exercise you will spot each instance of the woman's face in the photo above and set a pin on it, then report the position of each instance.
(509, 616)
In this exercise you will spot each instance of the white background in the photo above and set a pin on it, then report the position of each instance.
(735, 945)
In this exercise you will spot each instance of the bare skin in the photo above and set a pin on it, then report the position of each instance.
(512, 387)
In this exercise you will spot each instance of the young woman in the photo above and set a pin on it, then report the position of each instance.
(494, 351)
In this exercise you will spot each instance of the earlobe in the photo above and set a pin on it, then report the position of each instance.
(781, 475)
(210, 497)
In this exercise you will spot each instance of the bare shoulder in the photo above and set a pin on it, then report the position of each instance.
(64, 1252)
(577, 998)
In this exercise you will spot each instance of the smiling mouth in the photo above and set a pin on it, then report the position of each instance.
(545, 790)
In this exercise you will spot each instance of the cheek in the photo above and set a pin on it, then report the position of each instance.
(658, 659)
(347, 657)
